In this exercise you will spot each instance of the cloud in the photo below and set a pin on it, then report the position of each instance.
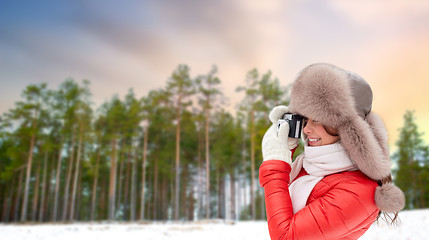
(364, 13)
(119, 45)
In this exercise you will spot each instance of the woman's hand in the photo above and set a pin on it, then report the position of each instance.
(275, 116)
(276, 144)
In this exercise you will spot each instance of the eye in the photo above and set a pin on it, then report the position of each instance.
(304, 122)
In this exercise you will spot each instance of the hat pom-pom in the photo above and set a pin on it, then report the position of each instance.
(389, 198)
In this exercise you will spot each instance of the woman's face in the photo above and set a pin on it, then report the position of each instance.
(317, 135)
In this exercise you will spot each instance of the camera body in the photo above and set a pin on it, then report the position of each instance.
(296, 122)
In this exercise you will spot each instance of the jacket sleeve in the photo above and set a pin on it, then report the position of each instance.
(332, 216)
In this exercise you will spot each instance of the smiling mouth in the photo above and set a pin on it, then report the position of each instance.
(314, 139)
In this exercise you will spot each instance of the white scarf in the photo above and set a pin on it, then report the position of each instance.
(318, 162)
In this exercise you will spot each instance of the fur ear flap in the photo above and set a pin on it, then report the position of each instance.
(364, 149)
(379, 131)
(389, 198)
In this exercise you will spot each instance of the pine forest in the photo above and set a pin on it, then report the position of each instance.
(174, 154)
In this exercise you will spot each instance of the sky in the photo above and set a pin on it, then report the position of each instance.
(119, 45)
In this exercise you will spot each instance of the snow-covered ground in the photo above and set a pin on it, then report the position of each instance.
(413, 225)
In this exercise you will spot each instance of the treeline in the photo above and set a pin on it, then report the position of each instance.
(175, 154)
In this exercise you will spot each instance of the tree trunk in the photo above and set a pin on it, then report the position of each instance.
(18, 194)
(76, 174)
(43, 193)
(252, 162)
(207, 164)
(232, 196)
(36, 194)
(94, 186)
(3, 197)
(164, 199)
(133, 185)
(121, 162)
(76, 213)
(6, 207)
(155, 189)
(126, 186)
(421, 191)
(112, 185)
(8, 201)
(178, 113)
(238, 194)
(170, 198)
(200, 181)
(184, 196)
(244, 178)
(50, 189)
(28, 175)
(68, 178)
(142, 198)
(261, 190)
(191, 204)
(217, 189)
(103, 197)
(57, 181)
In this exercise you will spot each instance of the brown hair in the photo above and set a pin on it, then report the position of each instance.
(331, 131)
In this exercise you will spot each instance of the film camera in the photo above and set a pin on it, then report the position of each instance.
(296, 123)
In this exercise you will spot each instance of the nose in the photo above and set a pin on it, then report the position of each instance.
(308, 127)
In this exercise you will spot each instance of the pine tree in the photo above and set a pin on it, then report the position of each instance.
(180, 85)
(115, 116)
(262, 93)
(210, 98)
(412, 159)
(29, 114)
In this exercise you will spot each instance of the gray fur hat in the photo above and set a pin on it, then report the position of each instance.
(343, 100)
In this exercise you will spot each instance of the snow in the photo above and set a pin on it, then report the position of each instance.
(413, 225)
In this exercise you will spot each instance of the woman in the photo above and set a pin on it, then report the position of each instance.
(338, 186)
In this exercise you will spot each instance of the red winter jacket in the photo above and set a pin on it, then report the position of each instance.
(341, 205)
